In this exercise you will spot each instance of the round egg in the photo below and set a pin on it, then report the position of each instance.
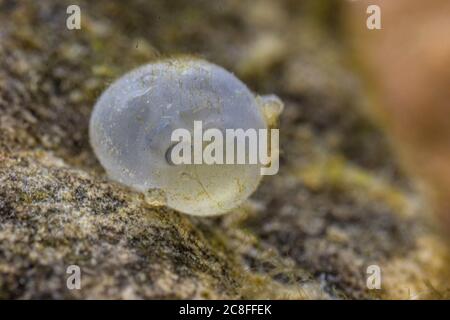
(133, 121)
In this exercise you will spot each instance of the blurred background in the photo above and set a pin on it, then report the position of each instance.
(407, 63)
(365, 166)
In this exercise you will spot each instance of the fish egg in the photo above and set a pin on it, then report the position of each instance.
(132, 124)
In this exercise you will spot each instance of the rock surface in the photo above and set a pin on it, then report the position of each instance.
(339, 204)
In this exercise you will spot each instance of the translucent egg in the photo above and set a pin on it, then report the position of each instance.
(133, 120)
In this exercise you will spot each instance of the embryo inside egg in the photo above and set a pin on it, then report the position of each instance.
(133, 121)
